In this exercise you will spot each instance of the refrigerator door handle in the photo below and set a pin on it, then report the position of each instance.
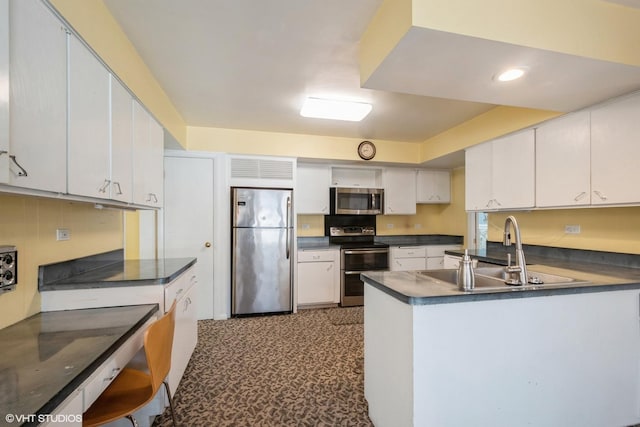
(288, 225)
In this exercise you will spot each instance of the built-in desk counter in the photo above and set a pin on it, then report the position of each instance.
(47, 357)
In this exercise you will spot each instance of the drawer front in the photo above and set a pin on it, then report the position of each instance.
(112, 367)
(438, 250)
(317, 256)
(408, 252)
(177, 288)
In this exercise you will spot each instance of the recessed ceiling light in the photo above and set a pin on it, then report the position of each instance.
(335, 109)
(510, 74)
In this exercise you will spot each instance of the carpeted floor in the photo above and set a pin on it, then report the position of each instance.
(304, 369)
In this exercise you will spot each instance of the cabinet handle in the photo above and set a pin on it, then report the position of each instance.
(488, 205)
(579, 196)
(599, 194)
(114, 373)
(22, 172)
(119, 191)
(398, 262)
(152, 198)
(193, 278)
(499, 204)
(104, 187)
(330, 267)
(3, 152)
(207, 245)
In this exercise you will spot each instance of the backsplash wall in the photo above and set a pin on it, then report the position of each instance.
(30, 224)
(601, 229)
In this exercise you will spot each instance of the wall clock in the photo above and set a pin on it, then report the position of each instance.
(366, 150)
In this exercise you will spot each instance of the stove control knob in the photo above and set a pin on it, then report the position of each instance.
(8, 259)
(8, 276)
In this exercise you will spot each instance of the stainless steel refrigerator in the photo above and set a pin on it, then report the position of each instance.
(262, 236)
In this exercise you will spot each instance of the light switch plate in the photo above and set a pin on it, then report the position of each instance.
(63, 234)
(572, 229)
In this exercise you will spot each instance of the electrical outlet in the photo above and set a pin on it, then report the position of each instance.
(305, 226)
(389, 226)
(417, 226)
(572, 229)
(63, 234)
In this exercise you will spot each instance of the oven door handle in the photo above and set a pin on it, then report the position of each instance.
(353, 272)
(366, 251)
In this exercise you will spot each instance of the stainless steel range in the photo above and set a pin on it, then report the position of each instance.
(358, 252)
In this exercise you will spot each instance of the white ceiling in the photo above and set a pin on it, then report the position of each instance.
(249, 64)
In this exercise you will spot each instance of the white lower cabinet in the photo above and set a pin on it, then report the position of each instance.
(318, 276)
(185, 338)
(410, 258)
(407, 258)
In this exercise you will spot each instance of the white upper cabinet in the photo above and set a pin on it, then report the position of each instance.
(500, 174)
(433, 186)
(4, 88)
(615, 150)
(38, 99)
(312, 195)
(121, 143)
(399, 191)
(148, 149)
(356, 177)
(89, 168)
(563, 161)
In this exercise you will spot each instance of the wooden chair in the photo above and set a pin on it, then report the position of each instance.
(132, 389)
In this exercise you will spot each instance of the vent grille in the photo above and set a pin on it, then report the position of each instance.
(262, 169)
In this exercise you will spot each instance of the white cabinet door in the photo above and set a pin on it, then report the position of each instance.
(148, 145)
(315, 282)
(451, 261)
(563, 161)
(4, 88)
(318, 276)
(38, 98)
(399, 191)
(478, 163)
(312, 196)
(513, 170)
(88, 169)
(433, 186)
(188, 221)
(121, 142)
(408, 264)
(615, 150)
(186, 331)
(500, 174)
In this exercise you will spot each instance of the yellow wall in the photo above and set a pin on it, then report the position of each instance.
(602, 229)
(497, 121)
(296, 145)
(30, 224)
(95, 24)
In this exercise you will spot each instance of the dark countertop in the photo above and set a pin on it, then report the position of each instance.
(319, 243)
(602, 271)
(45, 357)
(410, 287)
(105, 270)
(420, 240)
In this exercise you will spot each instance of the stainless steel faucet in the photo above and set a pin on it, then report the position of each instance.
(517, 273)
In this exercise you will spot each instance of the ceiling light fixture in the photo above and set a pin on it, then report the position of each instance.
(335, 109)
(510, 74)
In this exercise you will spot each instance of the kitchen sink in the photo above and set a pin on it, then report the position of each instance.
(493, 278)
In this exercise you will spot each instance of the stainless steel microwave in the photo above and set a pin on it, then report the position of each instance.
(356, 201)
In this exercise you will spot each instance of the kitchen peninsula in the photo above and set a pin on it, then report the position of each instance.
(553, 356)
